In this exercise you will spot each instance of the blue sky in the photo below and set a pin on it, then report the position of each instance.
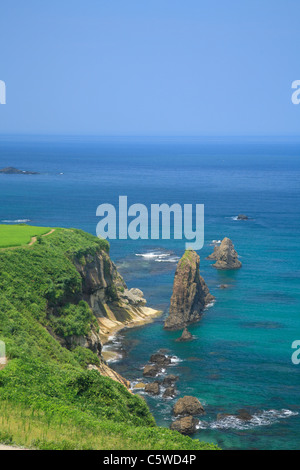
(159, 67)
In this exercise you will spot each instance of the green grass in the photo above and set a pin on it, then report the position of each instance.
(48, 399)
(18, 235)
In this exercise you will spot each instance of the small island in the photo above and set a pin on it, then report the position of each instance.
(10, 170)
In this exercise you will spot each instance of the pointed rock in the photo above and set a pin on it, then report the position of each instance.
(190, 293)
(225, 255)
(186, 336)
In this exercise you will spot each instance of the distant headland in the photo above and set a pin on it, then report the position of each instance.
(10, 170)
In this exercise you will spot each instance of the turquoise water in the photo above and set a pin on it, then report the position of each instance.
(241, 357)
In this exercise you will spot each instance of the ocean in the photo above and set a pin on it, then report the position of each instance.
(241, 355)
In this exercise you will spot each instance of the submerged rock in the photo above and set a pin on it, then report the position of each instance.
(243, 415)
(242, 217)
(153, 388)
(225, 255)
(188, 406)
(186, 336)
(190, 293)
(186, 425)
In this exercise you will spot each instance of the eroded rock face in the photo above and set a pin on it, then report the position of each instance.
(186, 425)
(190, 293)
(188, 406)
(225, 256)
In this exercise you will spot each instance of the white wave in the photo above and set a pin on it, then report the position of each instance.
(175, 360)
(265, 418)
(211, 304)
(217, 242)
(17, 221)
(173, 259)
(159, 256)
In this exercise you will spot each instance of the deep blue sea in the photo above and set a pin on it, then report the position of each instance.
(241, 357)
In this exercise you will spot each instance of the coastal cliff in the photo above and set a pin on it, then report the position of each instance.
(104, 289)
(190, 293)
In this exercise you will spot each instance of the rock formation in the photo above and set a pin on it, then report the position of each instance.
(188, 406)
(225, 256)
(186, 425)
(151, 370)
(160, 359)
(186, 336)
(10, 170)
(170, 392)
(242, 217)
(169, 380)
(153, 388)
(190, 293)
(113, 304)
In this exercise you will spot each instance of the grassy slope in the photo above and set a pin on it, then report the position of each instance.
(47, 398)
(18, 235)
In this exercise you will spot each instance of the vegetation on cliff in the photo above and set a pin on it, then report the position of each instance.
(48, 398)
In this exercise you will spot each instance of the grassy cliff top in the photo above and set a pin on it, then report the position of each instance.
(48, 398)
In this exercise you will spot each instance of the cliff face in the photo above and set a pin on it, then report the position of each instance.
(104, 289)
(225, 255)
(190, 293)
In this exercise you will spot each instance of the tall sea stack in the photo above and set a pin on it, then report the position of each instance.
(225, 255)
(190, 293)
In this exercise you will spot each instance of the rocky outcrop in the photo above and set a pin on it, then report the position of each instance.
(170, 392)
(114, 305)
(188, 406)
(160, 359)
(186, 336)
(169, 380)
(186, 425)
(10, 170)
(242, 217)
(151, 370)
(225, 256)
(190, 293)
(106, 371)
(153, 388)
(242, 415)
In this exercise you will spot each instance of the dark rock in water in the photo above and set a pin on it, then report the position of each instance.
(10, 170)
(225, 255)
(188, 406)
(169, 380)
(186, 336)
(186, 425)
(221, 416)
(243, 415)
(170, 392)
(224, 286)
(190, 293)
(160, 359)
(153, 388)
(151, 371)
(242, 217)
